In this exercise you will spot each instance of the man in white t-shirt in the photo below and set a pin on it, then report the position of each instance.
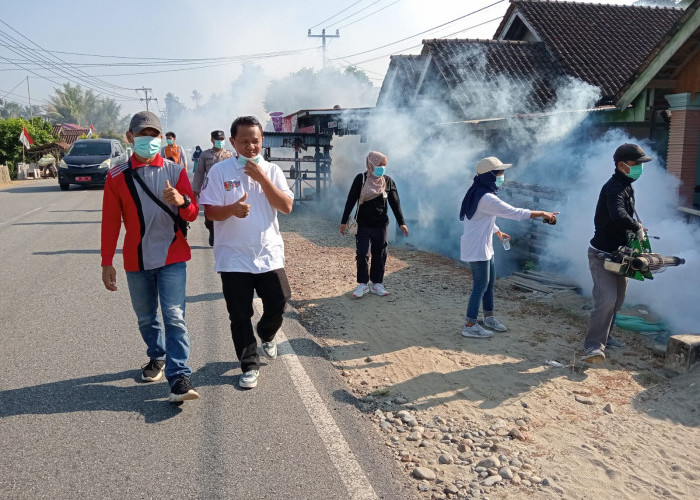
(242, 196)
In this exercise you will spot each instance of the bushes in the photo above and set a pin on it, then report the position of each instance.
(11, 148)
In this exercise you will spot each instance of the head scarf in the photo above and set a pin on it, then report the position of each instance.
(373, 186)
(484, 183)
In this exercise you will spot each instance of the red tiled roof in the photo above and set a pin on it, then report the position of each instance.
(600, 44)
(68, 132)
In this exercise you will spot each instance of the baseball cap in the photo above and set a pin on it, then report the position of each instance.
(142, 120)
(491, 163)
(630, 152)
(218, 135)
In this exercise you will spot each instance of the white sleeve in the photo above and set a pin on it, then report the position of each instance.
(279, 180)
(491, 204)
(212, 189)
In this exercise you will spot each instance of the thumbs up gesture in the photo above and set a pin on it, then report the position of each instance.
(172, 195)
(241, 209)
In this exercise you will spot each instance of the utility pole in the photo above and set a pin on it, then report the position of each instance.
(31, 115)
(147, 99)
(324, 36)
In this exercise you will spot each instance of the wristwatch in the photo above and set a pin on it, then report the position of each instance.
(187, 201)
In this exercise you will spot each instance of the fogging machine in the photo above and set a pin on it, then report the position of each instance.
(636, 260)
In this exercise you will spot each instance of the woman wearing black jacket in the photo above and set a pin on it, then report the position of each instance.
(375, 191)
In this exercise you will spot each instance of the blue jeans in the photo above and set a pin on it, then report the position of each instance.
(166, 283)
(484, 277)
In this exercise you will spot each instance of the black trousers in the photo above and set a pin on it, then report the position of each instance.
(273, 289)
(371, 241)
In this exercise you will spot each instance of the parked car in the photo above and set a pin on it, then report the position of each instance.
(88, 162)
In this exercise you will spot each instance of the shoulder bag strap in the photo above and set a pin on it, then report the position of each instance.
(151, 195)
(357, 208)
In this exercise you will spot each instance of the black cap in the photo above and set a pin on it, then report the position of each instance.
(218, 135)
(142, 120)
(632, 152)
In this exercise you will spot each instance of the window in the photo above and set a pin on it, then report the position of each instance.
(90, 148)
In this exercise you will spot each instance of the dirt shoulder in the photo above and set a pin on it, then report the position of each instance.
(490, 417)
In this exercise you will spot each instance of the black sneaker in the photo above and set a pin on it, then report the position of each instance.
(211, 237)
(182, 390)
(153, 370)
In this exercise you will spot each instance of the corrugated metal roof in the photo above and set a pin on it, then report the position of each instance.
(289, 140)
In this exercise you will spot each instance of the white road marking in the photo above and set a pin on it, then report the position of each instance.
(21, 216)
(356, 482)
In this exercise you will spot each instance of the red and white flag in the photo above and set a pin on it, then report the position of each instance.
(91, 131)
(25, 138)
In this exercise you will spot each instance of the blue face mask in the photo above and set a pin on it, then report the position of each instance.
(379, 171)
(635, 171)
(169, 141)
(146, 146)
(242, 160)
(500, 179)
(219, 144)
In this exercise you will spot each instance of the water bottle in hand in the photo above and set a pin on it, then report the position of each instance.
(506, 243)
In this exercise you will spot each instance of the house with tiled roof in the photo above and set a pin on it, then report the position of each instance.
(68, 132)
(541, 44)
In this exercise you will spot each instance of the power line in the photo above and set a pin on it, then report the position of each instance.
(97, 82)
(22, 52)
(353, 14)
(13, 88)
(147, 60)
(368, 15)
(204, 66)
(423, 32)
(183, 63)
(420, 44)
(334, 15)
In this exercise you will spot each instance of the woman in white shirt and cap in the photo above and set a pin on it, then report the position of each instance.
(480, 207)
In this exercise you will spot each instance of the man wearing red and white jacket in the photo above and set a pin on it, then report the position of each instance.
(155, 249)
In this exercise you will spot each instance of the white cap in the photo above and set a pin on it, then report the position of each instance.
(491, 163)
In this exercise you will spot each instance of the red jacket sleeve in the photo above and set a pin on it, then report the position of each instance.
(111, 222)
(183, 186)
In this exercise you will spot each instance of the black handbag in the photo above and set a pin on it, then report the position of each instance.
(180, 223)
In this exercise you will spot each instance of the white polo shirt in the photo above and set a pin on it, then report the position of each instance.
(252, 244)
(477, 239)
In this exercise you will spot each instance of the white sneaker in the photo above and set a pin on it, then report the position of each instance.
(476, 331)
(494, 324)
(270, 349)
(361, 289)
(379, 289)
(249, 379)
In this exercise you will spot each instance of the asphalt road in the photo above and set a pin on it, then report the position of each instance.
(76, 422)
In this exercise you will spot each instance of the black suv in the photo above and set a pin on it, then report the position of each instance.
(88, 162)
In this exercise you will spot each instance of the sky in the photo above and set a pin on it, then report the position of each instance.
(127, 37)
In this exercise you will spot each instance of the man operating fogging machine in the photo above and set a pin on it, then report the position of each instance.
(619, 249)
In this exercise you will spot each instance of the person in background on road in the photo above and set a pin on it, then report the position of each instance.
(195, 158)
(375, 192)
(242, 196)
(155, 250)
(479, 210)
(207, 160)
(614, 226)
(173, 152)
